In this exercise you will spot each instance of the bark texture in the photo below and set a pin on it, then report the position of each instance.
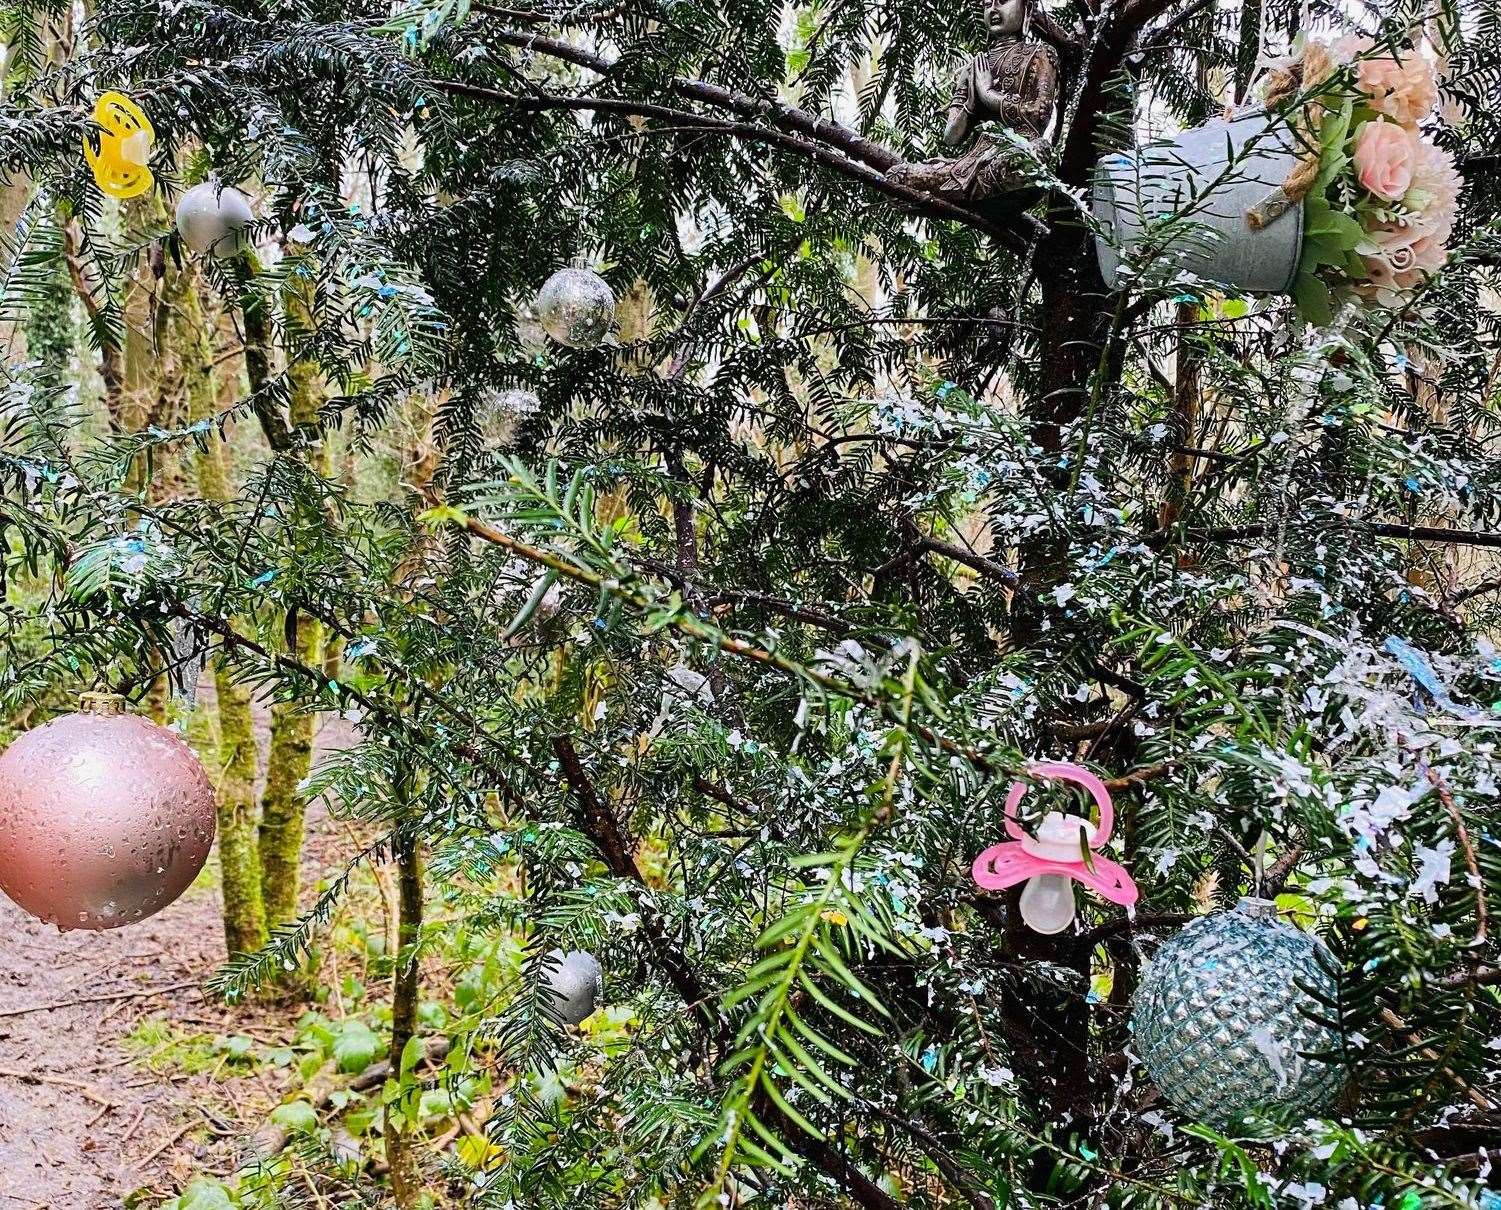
(406, 1178)
(240, 877)
(290, 757)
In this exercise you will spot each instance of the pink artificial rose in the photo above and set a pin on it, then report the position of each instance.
(1385, 157)
(1403, 87)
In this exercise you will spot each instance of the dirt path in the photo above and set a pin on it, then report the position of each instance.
(81, 1124)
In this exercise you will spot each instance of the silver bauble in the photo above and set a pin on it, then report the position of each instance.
(1224, 1027)
(105, 817)
(501, 412)
(574, 984)
(576, 307)
(211, 219)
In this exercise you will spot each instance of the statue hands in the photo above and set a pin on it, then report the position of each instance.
(984, 76)
(987, 101)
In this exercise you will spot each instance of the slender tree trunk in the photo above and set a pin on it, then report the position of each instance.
(239, 859)
(288, 762)
(240, 873)
(406, 1179)
(1185, 418)
(420, 469)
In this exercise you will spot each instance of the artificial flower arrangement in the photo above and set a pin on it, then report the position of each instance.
(1381, 197)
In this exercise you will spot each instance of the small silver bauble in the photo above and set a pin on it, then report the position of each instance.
(574, 984)
(1223, 1025)
(211, 219)
(501, 412)
(576, 307)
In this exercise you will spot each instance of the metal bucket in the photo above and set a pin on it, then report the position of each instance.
(1212, 176)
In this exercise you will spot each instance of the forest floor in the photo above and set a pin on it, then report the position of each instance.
(118, 1076)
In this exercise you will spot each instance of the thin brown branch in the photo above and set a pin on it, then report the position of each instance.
(1096, 103)
(1489, 976)
(102, 998)
(1476, 1098)
(836, 157)
(1381, 529)
(953, 1171)
(700, 631)
(986, 567)
(1158, 37)
(1130, 924)
(783, 117)
(1276, 877)
(1472, 866)
(1476, 590)
(787, 609)
(534, 17)
(1137, 777)
(600, 826)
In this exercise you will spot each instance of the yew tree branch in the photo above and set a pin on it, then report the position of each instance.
(764, 120)
(854, 168)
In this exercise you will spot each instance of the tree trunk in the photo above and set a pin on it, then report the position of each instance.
(1050, 1028)
(291, 751)
(240, 874)
(1185, 418)
(239, 859)
(288, 762)
(406, 1179)
(420, 467)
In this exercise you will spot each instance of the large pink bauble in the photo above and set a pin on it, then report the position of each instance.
(105, 818)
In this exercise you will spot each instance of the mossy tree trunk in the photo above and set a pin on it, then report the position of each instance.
(288, 762)
(406, 1179)
(244, 911)
(290, 757)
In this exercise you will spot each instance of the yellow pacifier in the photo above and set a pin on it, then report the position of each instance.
(125, 141)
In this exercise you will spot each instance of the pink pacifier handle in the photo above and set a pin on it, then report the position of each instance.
(1060, 770)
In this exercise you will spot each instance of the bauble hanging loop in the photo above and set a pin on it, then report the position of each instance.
(214, 219)
(1227, 1022)
(105, 817)
(1065, 850)
(576, 307)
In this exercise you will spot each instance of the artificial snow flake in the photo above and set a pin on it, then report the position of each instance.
(1433, 868)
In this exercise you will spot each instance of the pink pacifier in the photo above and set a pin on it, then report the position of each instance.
(1049, 860)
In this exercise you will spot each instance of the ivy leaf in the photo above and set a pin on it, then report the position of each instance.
(204, 1193)
(299, 1117)
(355, 1047)
(411, 1055)
(443, 514)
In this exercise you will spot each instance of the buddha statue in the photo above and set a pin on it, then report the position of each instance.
(1015, 84)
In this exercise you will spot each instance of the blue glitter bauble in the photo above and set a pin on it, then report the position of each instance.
(1224, 1026)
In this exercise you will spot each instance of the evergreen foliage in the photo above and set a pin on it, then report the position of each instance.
(727, 654)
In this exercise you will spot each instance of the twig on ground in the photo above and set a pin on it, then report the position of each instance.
(42, 1077)
(102, 998)
(156, 1151)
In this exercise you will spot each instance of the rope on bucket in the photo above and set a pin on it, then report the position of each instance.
(1285, 82)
